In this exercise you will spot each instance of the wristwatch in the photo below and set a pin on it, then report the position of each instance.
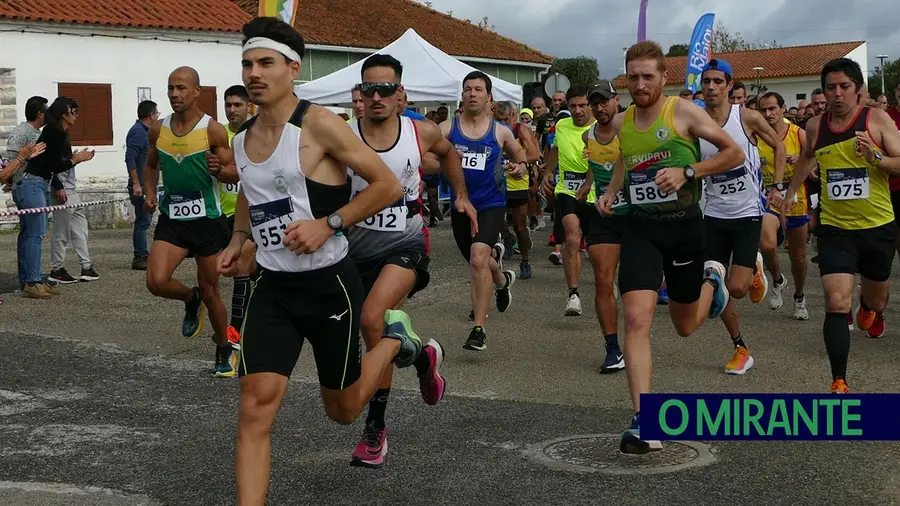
(690, 173)
(336, 221)
(878, 158)
(780, 187)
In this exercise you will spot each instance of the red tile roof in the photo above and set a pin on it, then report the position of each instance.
(795, 61)
(203, 15)
(324, 22)
(373, 24)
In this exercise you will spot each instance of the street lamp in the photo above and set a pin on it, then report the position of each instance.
(881, 58)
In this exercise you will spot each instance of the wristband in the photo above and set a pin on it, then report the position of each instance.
(243, 231)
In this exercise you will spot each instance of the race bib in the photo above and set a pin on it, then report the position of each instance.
(390, 219)
(573, 181)
(186, 206)
(269, 221)
(732, 182)
(847, 184)
(474, 161)
(644, 190)
(231, 188)
(620, 197)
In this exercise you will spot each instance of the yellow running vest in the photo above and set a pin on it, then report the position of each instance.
(228, 192)
(602, 161)
(572, 165)
(513, 184)
(767, 158)
(855, 194)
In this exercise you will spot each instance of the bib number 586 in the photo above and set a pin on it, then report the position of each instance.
(649, 193)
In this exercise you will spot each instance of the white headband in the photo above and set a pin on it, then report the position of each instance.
(264, 43)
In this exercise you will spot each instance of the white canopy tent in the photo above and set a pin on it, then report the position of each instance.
(430, 77)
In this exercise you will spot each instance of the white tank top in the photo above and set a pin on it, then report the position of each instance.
(738, 192)
(400, 224)
(279, 193)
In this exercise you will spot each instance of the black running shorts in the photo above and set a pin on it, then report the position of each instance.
(869, 252)
(732, 241)
(605, 230)
(201, 237)
(414, 259)
(491, 222)
(674, 248)
(566, 205)
(517, 198)
(321, 306)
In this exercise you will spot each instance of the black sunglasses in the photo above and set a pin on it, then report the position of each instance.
(384, 89)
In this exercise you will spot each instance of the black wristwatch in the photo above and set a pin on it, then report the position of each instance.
(690, 173)
(336, 221)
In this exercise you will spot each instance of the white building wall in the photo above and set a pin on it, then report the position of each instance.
(41, 61)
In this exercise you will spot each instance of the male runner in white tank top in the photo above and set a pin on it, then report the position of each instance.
(295, 203)
(391, 249)
(734, 203)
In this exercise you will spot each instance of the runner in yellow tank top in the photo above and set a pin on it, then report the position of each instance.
(573, 198)
(660, 162)
(797, 219)
(517, 194)
(856, 149)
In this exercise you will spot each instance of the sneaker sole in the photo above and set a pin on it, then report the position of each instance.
(472, 347)
(740, 372)
(62, 281)
(436, 372)
(508, 289)
(620, 365)
(89, 278)
(200, 316)
(573, 312)
(371, 464)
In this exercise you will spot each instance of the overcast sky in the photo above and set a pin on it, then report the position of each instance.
(601, 28)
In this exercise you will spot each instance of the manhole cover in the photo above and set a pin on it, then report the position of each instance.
(599, 453)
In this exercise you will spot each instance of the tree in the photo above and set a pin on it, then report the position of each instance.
(724, 41)
(582, 70)
(891, 79)
(428, 4)
(678, 50)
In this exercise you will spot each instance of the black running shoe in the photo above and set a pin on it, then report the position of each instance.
(504, 296)
(193, 315)
(476, 340)
(615, 360)
(61, 276)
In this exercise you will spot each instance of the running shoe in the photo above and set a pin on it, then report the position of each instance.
(573, 305)
(234, 337)
(715, 272)
(740, 363)
(431, 384)
(89, 274)
(397, 326)
(555, 257)
(877, 329)
(504, 295)
(864, 319)
(615, 359)
(476, 340)
(760, 284)
(800, 312)
(525, 270)
(371, 449)
(226, 362)
(194, 309)
(499, 253)
(632, 442)
(850, 323)
(776, 297)
(839, 386)
(663, 298)
(61, 276)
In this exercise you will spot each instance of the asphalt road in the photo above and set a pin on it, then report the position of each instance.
(102, 402)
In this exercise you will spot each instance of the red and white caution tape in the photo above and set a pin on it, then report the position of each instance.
(49, 209)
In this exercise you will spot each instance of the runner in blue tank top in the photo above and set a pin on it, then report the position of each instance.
(481, 143)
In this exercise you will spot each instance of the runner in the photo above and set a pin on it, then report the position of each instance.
(237, 110)
(797, 220)
(481, 142)
(660, 170)
(604, 237)
(295, 201)
(734, 203)
(191, 221)
(573, 198)
(856, 148)
(391, 249)
(517, 189)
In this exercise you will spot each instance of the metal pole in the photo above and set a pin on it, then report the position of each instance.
(881, 58)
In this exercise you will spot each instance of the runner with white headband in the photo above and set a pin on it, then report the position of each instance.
(295, 203)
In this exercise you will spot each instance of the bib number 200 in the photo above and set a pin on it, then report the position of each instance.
(187, 210)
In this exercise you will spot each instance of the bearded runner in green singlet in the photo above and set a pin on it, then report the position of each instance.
(660, 171)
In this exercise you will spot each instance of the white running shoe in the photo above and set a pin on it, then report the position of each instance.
(776, 297)
(800, 312)
(573, 305)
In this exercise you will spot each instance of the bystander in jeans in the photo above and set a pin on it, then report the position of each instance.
(136, 144)
(70, 226)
